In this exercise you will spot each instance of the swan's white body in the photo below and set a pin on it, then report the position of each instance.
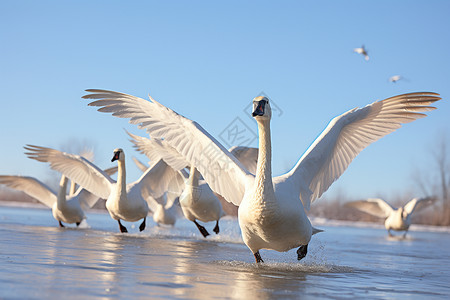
(397, 219)
(271, 210)
(362, 51)
(124, 201)
(65, 208)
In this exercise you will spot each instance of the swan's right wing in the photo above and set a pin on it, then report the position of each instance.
(156, 149)
(30, 186)
(158, 179)
(375, 207)
(418, 204)
(74, 167)
(222, 170)
(248, 156)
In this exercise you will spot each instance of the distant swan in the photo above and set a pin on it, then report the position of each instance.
(271, 215)
(398, 219)
(68, 210)
(124, 201)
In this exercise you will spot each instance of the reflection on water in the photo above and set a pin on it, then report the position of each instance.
(38, 259)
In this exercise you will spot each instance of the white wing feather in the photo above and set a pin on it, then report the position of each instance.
(374, 206)
(417, 204)
(32, 187)
(347, 135)
(74, 167)
(223, 172)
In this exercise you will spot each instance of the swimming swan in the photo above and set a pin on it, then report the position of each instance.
(270, 213)
(124, 201)
(65, 208)
(398, 219)
(197, 201)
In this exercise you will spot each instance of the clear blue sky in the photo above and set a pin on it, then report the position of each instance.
(208, 59)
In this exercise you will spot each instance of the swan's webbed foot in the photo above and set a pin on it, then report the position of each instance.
(390, 234)
(142, 226)
(78, 223)
(302, 251)
(216, 229)
(258, 257)
(202, 229)
(61, 224)
(404, 235)
(122, 228)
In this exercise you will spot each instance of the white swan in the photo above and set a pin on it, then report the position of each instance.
(398, 219)
(164, 208)
(124, 201)
(197, 200)
(270, 213)
(67, 209)
(362, 51)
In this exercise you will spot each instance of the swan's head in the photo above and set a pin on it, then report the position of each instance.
(261, 108)
(118, 155)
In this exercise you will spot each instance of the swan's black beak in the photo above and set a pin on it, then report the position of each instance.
(259, 110)
(116, 156)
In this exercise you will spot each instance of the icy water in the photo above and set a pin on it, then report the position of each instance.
(40, 260)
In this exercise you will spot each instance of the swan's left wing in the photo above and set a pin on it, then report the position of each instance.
(418, 204)
(87, 199)
(347, 135)
(373, 206)
(222, 170)
(248, 156)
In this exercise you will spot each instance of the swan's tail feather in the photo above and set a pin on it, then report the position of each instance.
(316, 230)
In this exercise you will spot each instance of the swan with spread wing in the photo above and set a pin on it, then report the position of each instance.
(124, 201)
(65, 208)
(397, 219)
(271, 209)
(198, 202)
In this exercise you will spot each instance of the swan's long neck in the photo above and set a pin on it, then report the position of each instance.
(263, 176)
(194, 177)
(61, 198)
(121, 178)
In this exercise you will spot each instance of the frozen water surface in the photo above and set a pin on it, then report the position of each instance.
(40, 260)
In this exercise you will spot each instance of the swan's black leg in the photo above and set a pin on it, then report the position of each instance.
(61, 224)
(78, 223)
(202, 229)
(302, 251)
(122, 228)
(216, 229)
(389, 232)
(258, 257)
(142, 226)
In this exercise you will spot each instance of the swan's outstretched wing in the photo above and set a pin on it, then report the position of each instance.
(347, 135)
(418, 204)
(223, 172)
(74, 167)
(141, 166)
(86, 198)
(156, 149)
(247, 156)
(375, 207)
(31, 186)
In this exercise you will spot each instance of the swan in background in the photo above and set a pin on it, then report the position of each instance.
(271, 210)
(362, 51)
(197, 200)
(398, 219)
(164, 208)
(67, 209)
(124, 201)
